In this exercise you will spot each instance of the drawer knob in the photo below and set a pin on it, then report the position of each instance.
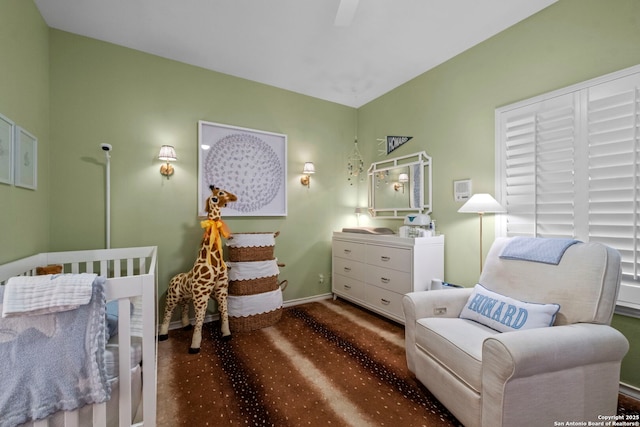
(385, 280)
(347, 251)
(385, 258)
(347, 269)
(347, 286)
(385, 301)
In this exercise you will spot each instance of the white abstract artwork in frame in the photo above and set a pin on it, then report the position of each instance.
(251, 164)
(6, 150)
(26, 159)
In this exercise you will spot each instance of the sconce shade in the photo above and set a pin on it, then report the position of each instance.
(308, 168)
(403, 177)
(481, 203)
(167, 153)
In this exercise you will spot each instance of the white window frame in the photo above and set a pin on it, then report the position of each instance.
(530, 219)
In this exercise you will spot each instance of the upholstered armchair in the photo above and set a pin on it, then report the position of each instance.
(569, 371)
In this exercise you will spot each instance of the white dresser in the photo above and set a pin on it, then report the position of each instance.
(375, 271)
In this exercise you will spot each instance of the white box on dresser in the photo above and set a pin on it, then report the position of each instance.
(375, 271)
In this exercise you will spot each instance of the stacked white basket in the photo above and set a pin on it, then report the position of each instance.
(255, 296)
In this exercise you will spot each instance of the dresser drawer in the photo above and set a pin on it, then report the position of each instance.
(396, 258)
(348, 268)
(393, 280)
(385, 300)
(347, 286)
(348, 250)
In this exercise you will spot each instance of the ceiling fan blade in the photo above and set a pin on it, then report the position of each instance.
(346, 12)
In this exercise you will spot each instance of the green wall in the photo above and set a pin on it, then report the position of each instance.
(24, 98)
(103, 93)
(450, 112)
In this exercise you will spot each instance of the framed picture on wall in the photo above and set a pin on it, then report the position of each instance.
(252, 164)
(25, 159)
(6, 150)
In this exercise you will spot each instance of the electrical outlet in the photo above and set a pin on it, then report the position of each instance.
(320, 278)
(438, 311)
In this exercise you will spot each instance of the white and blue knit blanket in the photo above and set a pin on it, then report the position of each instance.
(53, 361)
(537, 249)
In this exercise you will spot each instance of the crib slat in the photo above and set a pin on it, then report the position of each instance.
(124, 361)
(71, 419)
(129, 266)
(100, 415)
(41, 423)
(116, 268)
(104, 268)
(142, 265)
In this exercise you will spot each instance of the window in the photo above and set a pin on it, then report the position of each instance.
(568, 165)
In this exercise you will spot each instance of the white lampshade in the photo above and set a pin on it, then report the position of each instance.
(482, 203)
(403, 177)
(167, 153)
(308, 168)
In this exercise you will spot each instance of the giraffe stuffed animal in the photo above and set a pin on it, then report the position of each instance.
(207, 279)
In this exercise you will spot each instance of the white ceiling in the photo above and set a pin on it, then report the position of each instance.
(296, 44)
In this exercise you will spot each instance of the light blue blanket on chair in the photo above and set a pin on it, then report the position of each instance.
(537, 249)
(52, 362)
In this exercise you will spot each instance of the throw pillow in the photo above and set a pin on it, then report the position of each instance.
(505, 314)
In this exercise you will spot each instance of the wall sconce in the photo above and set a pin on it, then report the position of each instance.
(402, 178)
(167, 154)
(307, 170)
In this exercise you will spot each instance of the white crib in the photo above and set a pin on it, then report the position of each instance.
(131, 279)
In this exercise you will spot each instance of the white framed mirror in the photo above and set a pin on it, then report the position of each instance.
(400, 186)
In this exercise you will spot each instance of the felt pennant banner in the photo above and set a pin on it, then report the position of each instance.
(394, 142)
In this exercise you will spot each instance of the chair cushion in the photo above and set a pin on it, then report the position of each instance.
(505, 314)
(456, 344)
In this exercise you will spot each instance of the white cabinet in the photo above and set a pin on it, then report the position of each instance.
(375, 271)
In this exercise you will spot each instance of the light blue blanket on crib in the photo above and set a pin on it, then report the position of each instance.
(545, 250)
(53, 362)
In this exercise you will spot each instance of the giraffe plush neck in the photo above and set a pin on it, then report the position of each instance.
(214, 227)
(208, 277)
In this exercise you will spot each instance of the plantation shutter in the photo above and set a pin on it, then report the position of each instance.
(614, 172)
(539, 141)
(568, 165)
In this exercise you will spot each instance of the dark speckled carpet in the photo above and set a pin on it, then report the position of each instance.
(327, 363)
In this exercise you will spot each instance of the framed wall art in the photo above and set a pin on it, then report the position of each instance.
(6, 150)
(25, 159)
(252, 164)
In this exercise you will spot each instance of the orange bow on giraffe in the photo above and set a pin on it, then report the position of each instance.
(213, 229)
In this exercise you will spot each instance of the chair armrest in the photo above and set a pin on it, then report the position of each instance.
(543, 350)
(417, 305)
(572, 370)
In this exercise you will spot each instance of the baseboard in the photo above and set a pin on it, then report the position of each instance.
(629, 390)
(298, 301)
(177, 324)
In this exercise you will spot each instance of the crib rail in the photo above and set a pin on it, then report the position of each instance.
(131, 279)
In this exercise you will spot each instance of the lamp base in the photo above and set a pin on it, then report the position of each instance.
(305, 180)
(166, 170)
